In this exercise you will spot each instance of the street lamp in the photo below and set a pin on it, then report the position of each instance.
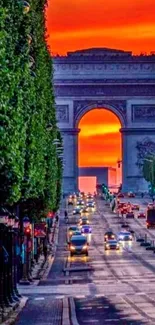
(26, 222)
(119, 162)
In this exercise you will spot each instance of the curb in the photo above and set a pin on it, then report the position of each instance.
(52, 254)
(65, 312)
(73, 312)
(12, 318)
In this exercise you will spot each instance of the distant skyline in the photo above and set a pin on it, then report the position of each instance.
(120, 24)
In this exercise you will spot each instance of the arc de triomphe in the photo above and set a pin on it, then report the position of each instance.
(118, 81)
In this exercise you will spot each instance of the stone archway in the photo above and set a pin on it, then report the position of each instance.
(117, 109)
(118, 81)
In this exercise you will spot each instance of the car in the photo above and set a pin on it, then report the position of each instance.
(125, 236)
(124, 210)
(150, 206)
(109, 235)
(90, 198)
(86, 229)
(90, 204)
(135, 206)
(80, 203)
(131, 194)
(141, 214)
(75, 233)
(78, 245)
(111, 244)
(84, 221)
(120, 195)
(121, 205)
(124, 225)
(84, 210)
(77, 210)
(71, 230)
(70, 202)
(130, 215)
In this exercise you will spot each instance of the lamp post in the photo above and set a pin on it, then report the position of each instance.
(4, 299)
(17, 252)
(12, 278)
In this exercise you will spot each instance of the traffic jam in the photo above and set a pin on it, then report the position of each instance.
(81, 208)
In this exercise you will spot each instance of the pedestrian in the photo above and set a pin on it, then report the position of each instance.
(57, 218)
(45, 252)
(66, 216)
(142, 195)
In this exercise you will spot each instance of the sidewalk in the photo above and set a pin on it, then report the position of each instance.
(47, 311)
(32, 311)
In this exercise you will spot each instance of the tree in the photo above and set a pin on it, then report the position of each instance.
(30, 170)
(149, 169)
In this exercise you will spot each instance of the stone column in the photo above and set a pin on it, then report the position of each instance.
(70, 174)
(132, 177)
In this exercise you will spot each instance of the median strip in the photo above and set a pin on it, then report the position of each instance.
(78, 269)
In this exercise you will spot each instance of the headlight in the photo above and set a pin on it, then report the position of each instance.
(72, 247)
(70, 232)
(84, 247)
(74, 211)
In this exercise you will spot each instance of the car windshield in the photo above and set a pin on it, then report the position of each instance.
(73, 228)
(112, 241)
(124, 234)
(78, 241)
(86, 227)
(109, 233)
(77, 233)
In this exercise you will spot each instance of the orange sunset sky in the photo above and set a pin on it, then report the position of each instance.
(120, 24)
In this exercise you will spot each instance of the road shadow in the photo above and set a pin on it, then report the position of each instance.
(100, 311)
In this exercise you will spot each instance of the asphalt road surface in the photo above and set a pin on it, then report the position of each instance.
(108, 287)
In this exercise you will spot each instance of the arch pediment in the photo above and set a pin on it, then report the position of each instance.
(118, 107)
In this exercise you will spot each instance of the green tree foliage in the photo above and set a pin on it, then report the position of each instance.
(149, 169)
(30, 170)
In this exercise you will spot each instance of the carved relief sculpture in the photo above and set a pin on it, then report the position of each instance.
(62, 113)
(145, 113)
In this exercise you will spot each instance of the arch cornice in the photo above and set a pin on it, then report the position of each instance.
(118, 107)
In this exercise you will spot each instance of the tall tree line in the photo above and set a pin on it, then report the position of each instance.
(30, 170)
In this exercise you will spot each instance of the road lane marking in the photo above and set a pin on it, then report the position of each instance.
(39, 298)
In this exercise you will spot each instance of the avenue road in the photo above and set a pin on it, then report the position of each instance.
(108, 287)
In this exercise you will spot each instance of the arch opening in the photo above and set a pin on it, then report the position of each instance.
(99, 149)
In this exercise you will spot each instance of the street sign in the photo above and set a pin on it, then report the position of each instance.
(40, 230)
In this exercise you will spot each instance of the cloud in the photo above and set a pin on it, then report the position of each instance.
(121, 24)
(101, 129)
